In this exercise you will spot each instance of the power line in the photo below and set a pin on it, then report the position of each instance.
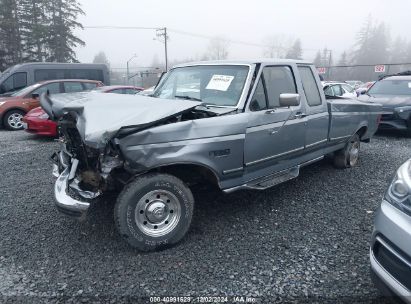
(176, 31)
(111, 27)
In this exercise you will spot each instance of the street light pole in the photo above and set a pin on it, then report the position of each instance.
(128, 69)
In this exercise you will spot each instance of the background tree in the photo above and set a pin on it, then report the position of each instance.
(101, 57)
(10, 37)
(276, 46)
(295, 52)
(61, 40)
(33, 28)
(217, 49)
(318, 62)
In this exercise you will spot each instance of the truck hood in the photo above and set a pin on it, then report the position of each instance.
(388, 102)
(101, 115)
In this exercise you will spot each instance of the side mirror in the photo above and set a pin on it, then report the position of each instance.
(35, 96)
(363, 92)
(289, 100)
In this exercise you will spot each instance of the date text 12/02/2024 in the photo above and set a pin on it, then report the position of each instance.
(204, 299)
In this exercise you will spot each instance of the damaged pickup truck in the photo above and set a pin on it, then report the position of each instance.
(236, 125)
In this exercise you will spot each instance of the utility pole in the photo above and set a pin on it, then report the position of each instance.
(329, 65)
(162, 34)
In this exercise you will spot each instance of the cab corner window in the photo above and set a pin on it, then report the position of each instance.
(310, 86)
(278, 80)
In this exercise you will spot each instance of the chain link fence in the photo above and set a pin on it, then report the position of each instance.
(362, 73)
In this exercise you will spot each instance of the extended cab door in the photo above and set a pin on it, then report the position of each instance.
(273, 132)
(316, 111)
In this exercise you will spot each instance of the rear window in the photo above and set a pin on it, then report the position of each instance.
(391, 87)
(310, 86)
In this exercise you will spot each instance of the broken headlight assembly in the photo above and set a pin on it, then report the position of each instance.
(399, 191)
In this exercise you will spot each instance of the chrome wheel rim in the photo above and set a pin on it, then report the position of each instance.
(354, 153)
(14, 120)
(157, 213)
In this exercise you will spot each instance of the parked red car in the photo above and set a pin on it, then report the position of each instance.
(14, 107)
(37, 121)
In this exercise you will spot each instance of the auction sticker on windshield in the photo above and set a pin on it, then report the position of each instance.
(220, 82)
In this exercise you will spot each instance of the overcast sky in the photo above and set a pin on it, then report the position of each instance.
(319, 24)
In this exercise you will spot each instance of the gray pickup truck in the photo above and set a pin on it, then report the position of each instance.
(236, 125)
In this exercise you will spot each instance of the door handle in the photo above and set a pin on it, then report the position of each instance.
(300, 115)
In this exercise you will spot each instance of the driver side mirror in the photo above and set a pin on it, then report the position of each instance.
(289, 99)
(35, 96)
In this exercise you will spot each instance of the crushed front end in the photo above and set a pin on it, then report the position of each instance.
(83, 173)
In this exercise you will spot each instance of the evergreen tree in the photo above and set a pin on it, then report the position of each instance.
(61, 40)
(101, 58)
(10, 37)
(295, 52)
(343, 59)
(318, 60)
(33, 29)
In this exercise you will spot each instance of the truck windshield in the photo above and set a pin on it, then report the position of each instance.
(219, 85)
(391, 87)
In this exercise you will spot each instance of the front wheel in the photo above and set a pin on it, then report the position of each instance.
(13, 120)
(348, 156)
(154, 211)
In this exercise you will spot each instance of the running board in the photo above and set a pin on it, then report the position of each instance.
(273, 179)
(268, 181)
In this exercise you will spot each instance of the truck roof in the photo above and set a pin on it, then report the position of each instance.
(245, 62)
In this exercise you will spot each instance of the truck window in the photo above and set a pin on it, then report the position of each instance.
(337, 90)
(310, 86)
(41, 75)
(259, 100)
(278, 80)
(15, 82)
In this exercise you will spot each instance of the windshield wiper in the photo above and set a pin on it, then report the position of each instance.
(187, 97)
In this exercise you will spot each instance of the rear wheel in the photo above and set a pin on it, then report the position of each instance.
(154, 211)
(348, 156)
(13, 120)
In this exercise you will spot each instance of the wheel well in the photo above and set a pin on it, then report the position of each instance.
(191, 174)
(362, 131)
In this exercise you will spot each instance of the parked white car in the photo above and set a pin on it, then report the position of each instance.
(339, 89)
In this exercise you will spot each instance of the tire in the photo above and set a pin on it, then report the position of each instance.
(12, 120)
(154, 211)
(348, 156)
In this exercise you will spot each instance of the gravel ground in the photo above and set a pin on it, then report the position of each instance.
(303, 241)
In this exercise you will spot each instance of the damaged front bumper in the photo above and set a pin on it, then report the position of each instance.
(69, 197)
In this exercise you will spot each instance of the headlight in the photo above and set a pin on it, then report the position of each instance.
(399, 192)
(2, 103)
(44, 116)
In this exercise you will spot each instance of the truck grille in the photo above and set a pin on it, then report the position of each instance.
(394, 261)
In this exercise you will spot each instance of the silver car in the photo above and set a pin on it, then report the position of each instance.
(390, 251)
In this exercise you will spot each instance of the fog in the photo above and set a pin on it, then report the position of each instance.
(319, 24)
